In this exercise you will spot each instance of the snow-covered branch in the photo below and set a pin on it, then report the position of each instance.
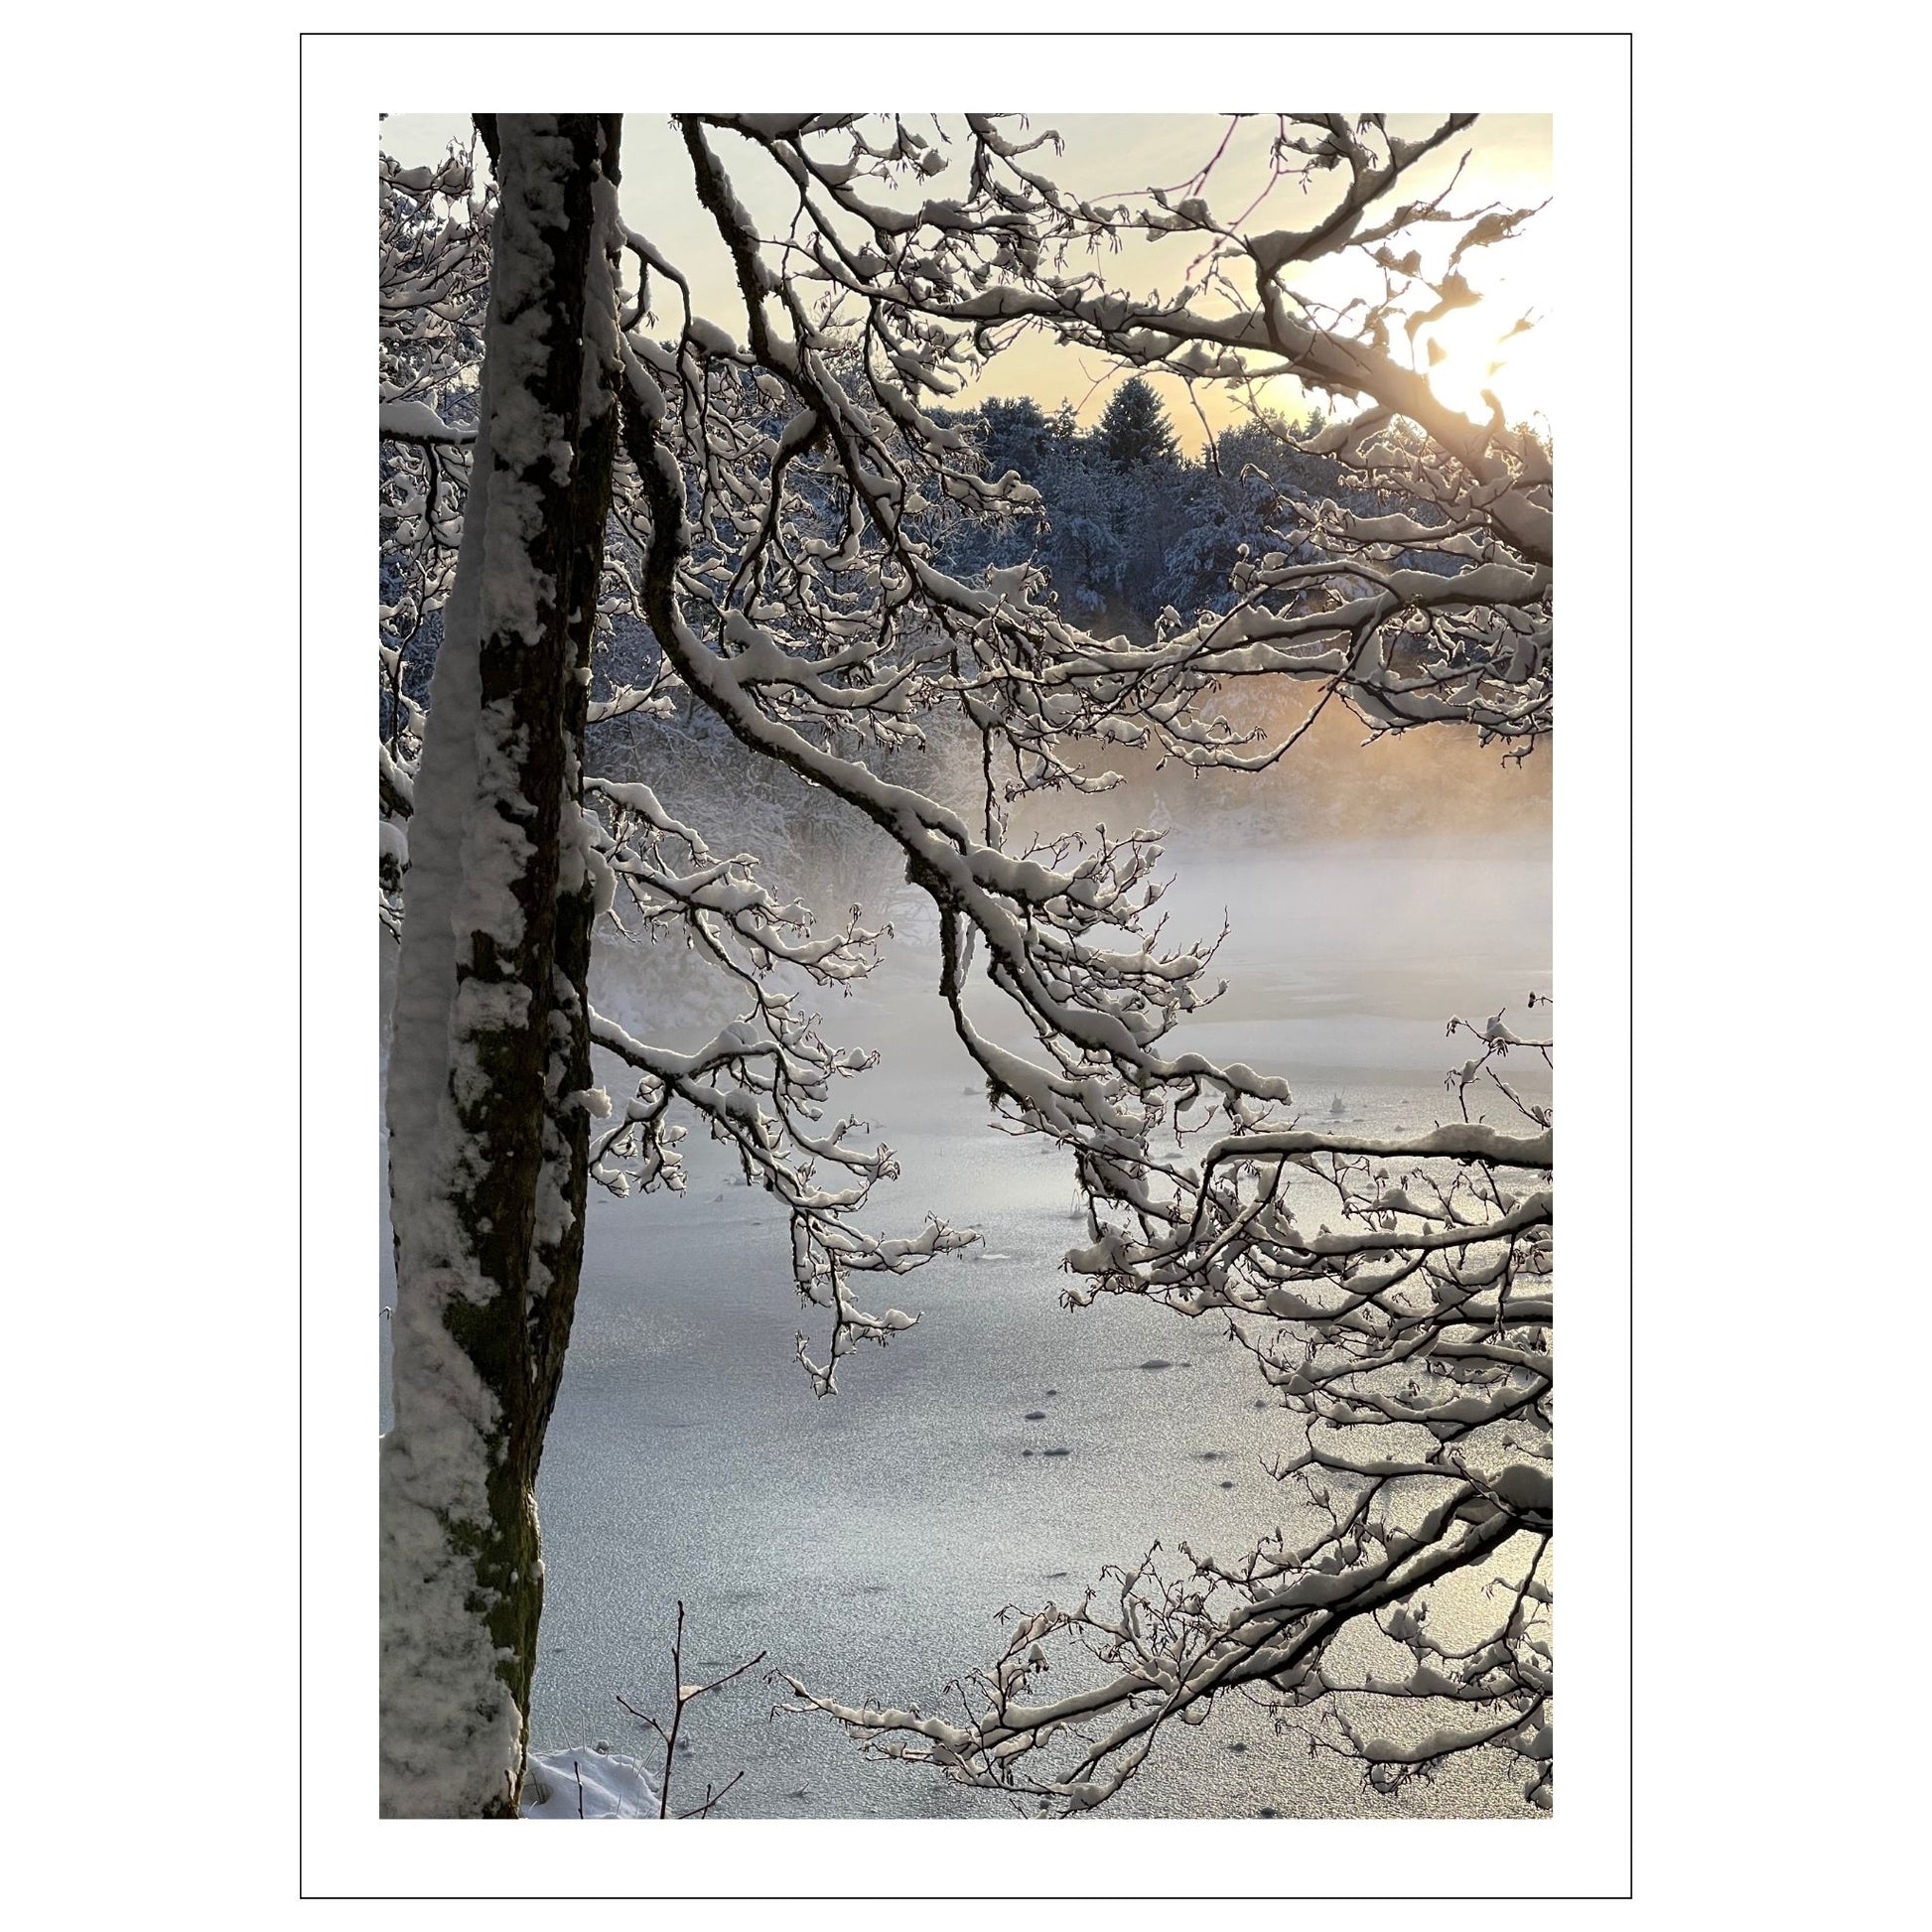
(938, 286)
(1410, 1344)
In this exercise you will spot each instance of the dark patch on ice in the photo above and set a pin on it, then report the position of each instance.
(1158, 1361)
(1239, 1746)
(1052, 1391)
(1025, 1451)
(1213, 1456)
(1036, 1415)
(1054, 1577)
(1226, 1484)
(1057, 1452)
(1268, 1811)
(874, 1589)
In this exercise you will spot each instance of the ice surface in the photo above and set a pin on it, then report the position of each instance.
(867, 1540)
(1005, 1448)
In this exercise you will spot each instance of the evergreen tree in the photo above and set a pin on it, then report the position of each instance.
(1135, 430)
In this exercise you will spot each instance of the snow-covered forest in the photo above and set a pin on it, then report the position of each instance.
(794, 759)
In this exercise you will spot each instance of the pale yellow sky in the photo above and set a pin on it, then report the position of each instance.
(1111, 156)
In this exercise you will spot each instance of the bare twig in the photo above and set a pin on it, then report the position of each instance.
(683, 1694)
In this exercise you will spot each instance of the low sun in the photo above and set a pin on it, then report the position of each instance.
(1473, 350)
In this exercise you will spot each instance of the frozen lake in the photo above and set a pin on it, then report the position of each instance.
(865, 1541)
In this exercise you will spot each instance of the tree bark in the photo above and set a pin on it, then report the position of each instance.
(491, 1050)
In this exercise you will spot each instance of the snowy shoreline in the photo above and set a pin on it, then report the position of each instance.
(592, 1782)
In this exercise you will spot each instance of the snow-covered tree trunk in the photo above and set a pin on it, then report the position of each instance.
(491, 1059)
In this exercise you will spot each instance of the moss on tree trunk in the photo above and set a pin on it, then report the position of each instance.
(516, 1190)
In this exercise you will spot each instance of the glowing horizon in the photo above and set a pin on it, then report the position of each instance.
(1111, 157)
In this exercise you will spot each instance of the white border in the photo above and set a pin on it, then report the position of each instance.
(1584, 1849)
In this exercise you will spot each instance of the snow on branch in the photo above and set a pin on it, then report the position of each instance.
(932, 292)
(1400, 1614)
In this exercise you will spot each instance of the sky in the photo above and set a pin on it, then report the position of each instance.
(1111, 156)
